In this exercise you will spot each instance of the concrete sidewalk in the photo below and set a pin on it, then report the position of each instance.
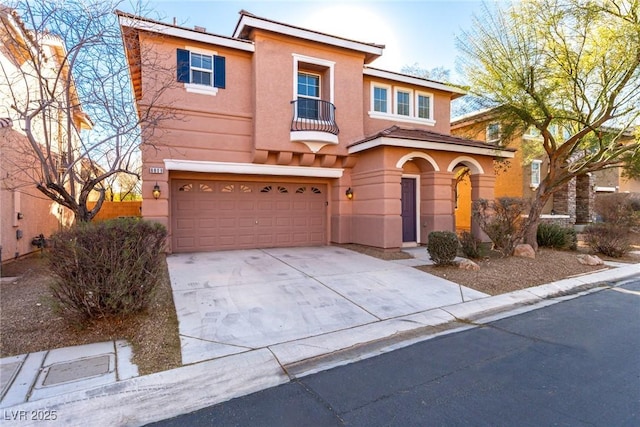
(127, 399)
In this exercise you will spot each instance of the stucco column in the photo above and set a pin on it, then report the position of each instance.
(482, 187)
(436, 213)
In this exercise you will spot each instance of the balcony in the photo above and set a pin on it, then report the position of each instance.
(314, 123)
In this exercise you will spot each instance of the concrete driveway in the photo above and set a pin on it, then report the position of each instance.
(233, 301)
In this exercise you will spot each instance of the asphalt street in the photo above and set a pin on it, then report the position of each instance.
(574, 363)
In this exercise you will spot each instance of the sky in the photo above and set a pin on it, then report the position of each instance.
(422, 32)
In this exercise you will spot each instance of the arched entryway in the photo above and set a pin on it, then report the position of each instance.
(417, 196)
(469, 183)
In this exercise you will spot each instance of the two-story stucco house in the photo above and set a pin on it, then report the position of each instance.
(291, 137)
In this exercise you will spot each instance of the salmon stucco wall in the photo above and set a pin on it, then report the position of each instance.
(24, 211)
(441, 108)
(196, 126)
(275, 77)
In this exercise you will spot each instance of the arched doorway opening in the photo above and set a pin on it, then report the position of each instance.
(463, 168)
(415, 167)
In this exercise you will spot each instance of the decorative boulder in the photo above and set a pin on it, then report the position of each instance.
(524, 250)
(589, 260)
(467, 264)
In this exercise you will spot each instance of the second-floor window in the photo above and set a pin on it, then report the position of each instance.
(424, 106)
(535, 172)
(403, 103)
(308, 95)
(493, 132)
(380, 95)
(201, 72)
(201, 69)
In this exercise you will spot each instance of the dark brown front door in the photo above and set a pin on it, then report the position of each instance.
(408, 210)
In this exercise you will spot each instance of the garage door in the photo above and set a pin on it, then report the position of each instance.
(216, 215)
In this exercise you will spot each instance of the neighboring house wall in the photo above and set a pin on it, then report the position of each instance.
(572, 204)
(24, 211)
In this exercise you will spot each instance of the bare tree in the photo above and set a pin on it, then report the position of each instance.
(572, 65)
(70, 73)
(439, 74)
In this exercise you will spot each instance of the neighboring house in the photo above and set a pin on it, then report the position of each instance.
(290, 137)
(24, 211)
(520, 176)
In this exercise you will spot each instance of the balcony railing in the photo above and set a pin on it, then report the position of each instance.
(314, 115)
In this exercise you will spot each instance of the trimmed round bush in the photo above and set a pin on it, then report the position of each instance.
(108, 268)
(442, 247)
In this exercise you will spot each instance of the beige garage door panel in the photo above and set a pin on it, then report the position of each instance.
(211, 215)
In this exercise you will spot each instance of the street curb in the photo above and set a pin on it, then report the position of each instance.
(141, 400)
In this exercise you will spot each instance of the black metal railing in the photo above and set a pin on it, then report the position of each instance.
(314, 115)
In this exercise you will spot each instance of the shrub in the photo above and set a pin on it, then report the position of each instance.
(608, 239)
(501, 220)
(618, 208)
(471, 246)
(556, 236)
(109, 268)
(442, 247)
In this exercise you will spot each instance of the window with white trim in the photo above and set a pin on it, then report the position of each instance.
(403, 102)
(532, 132)
(424, 105)
(381, 99)
(308, 95)
(493, 132)
(535, 173)
(201, 71)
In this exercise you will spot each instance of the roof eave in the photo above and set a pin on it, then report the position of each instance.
(136, 22)
(429, 145)
(456, 92)
(248, 21)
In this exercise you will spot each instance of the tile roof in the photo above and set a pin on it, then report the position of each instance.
(429, 136)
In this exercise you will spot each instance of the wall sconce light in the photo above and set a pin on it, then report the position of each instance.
(156, 191)
(20, 215)
(349, 193)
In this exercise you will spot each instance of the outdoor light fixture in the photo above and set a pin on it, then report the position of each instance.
(156, 191)
(349, 193)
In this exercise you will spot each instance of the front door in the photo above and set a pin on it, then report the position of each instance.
(408, 210)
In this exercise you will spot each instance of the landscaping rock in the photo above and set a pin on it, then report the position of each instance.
(524, 250)
(467, 264)
(589, 260)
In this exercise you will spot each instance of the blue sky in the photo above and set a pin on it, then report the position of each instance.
(420, 32)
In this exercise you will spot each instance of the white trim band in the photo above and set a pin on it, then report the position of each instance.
(156, 27)
(251, 168)
(374, 72)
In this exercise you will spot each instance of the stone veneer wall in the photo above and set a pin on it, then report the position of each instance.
(585, 198)
(564, 200)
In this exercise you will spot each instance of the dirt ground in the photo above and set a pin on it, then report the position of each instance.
(28, 323)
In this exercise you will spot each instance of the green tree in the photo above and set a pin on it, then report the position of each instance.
(572, 65)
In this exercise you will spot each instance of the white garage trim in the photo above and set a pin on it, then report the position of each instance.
(251, 168)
